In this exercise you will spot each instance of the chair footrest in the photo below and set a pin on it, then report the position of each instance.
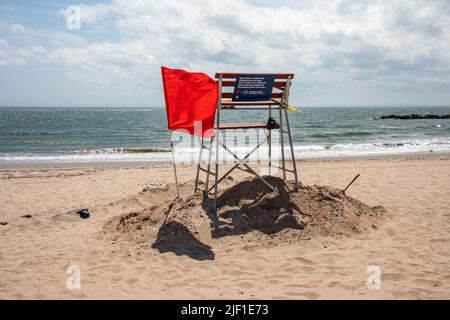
(285, 169)
(230, 126)
(206, 170)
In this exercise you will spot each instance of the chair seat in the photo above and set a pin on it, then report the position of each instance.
(231, 126)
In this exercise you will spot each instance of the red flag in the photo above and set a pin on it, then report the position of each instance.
(191, 101)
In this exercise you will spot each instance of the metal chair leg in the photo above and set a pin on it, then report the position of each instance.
(241, 161)
(199, 163)
(258, 160)
(283, 165)
(209, 163)
(269, 142)
(292, 150)
(217, 161)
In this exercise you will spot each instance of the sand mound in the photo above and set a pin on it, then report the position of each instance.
(249, 215)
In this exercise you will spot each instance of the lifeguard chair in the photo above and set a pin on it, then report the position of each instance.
(268, 93)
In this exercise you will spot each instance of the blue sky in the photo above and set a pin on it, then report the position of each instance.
(343, 52)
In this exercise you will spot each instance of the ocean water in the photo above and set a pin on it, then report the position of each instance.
(46, 135)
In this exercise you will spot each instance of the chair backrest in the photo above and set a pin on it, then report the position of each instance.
(280, 93)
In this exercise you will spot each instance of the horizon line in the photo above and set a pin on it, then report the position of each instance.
(304, 106)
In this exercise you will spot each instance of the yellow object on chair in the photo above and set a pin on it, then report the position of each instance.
(291, 108)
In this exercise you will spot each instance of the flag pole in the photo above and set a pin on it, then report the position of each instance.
(173, 161)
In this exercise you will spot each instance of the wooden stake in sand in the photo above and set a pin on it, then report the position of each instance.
(168, 210)
(173, 161)
(351, 182)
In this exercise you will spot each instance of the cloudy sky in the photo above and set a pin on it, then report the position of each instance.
(342, 52)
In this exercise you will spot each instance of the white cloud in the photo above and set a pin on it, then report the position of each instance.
(31, 51)
(324, 40)
(10, 55)
(341, 44)
(5, 55)
(121, 60)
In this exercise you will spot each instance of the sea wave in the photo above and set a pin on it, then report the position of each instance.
(108, 151)
(190, 155)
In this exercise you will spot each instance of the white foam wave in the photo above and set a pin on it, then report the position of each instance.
(190, 155)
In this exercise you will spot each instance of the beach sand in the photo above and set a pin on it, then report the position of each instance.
(41, 236)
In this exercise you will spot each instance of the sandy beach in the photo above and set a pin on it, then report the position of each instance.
(41, 236)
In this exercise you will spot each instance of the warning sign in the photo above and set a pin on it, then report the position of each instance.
(253, 87)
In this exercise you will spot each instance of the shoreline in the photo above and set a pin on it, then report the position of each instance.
(118, 164)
